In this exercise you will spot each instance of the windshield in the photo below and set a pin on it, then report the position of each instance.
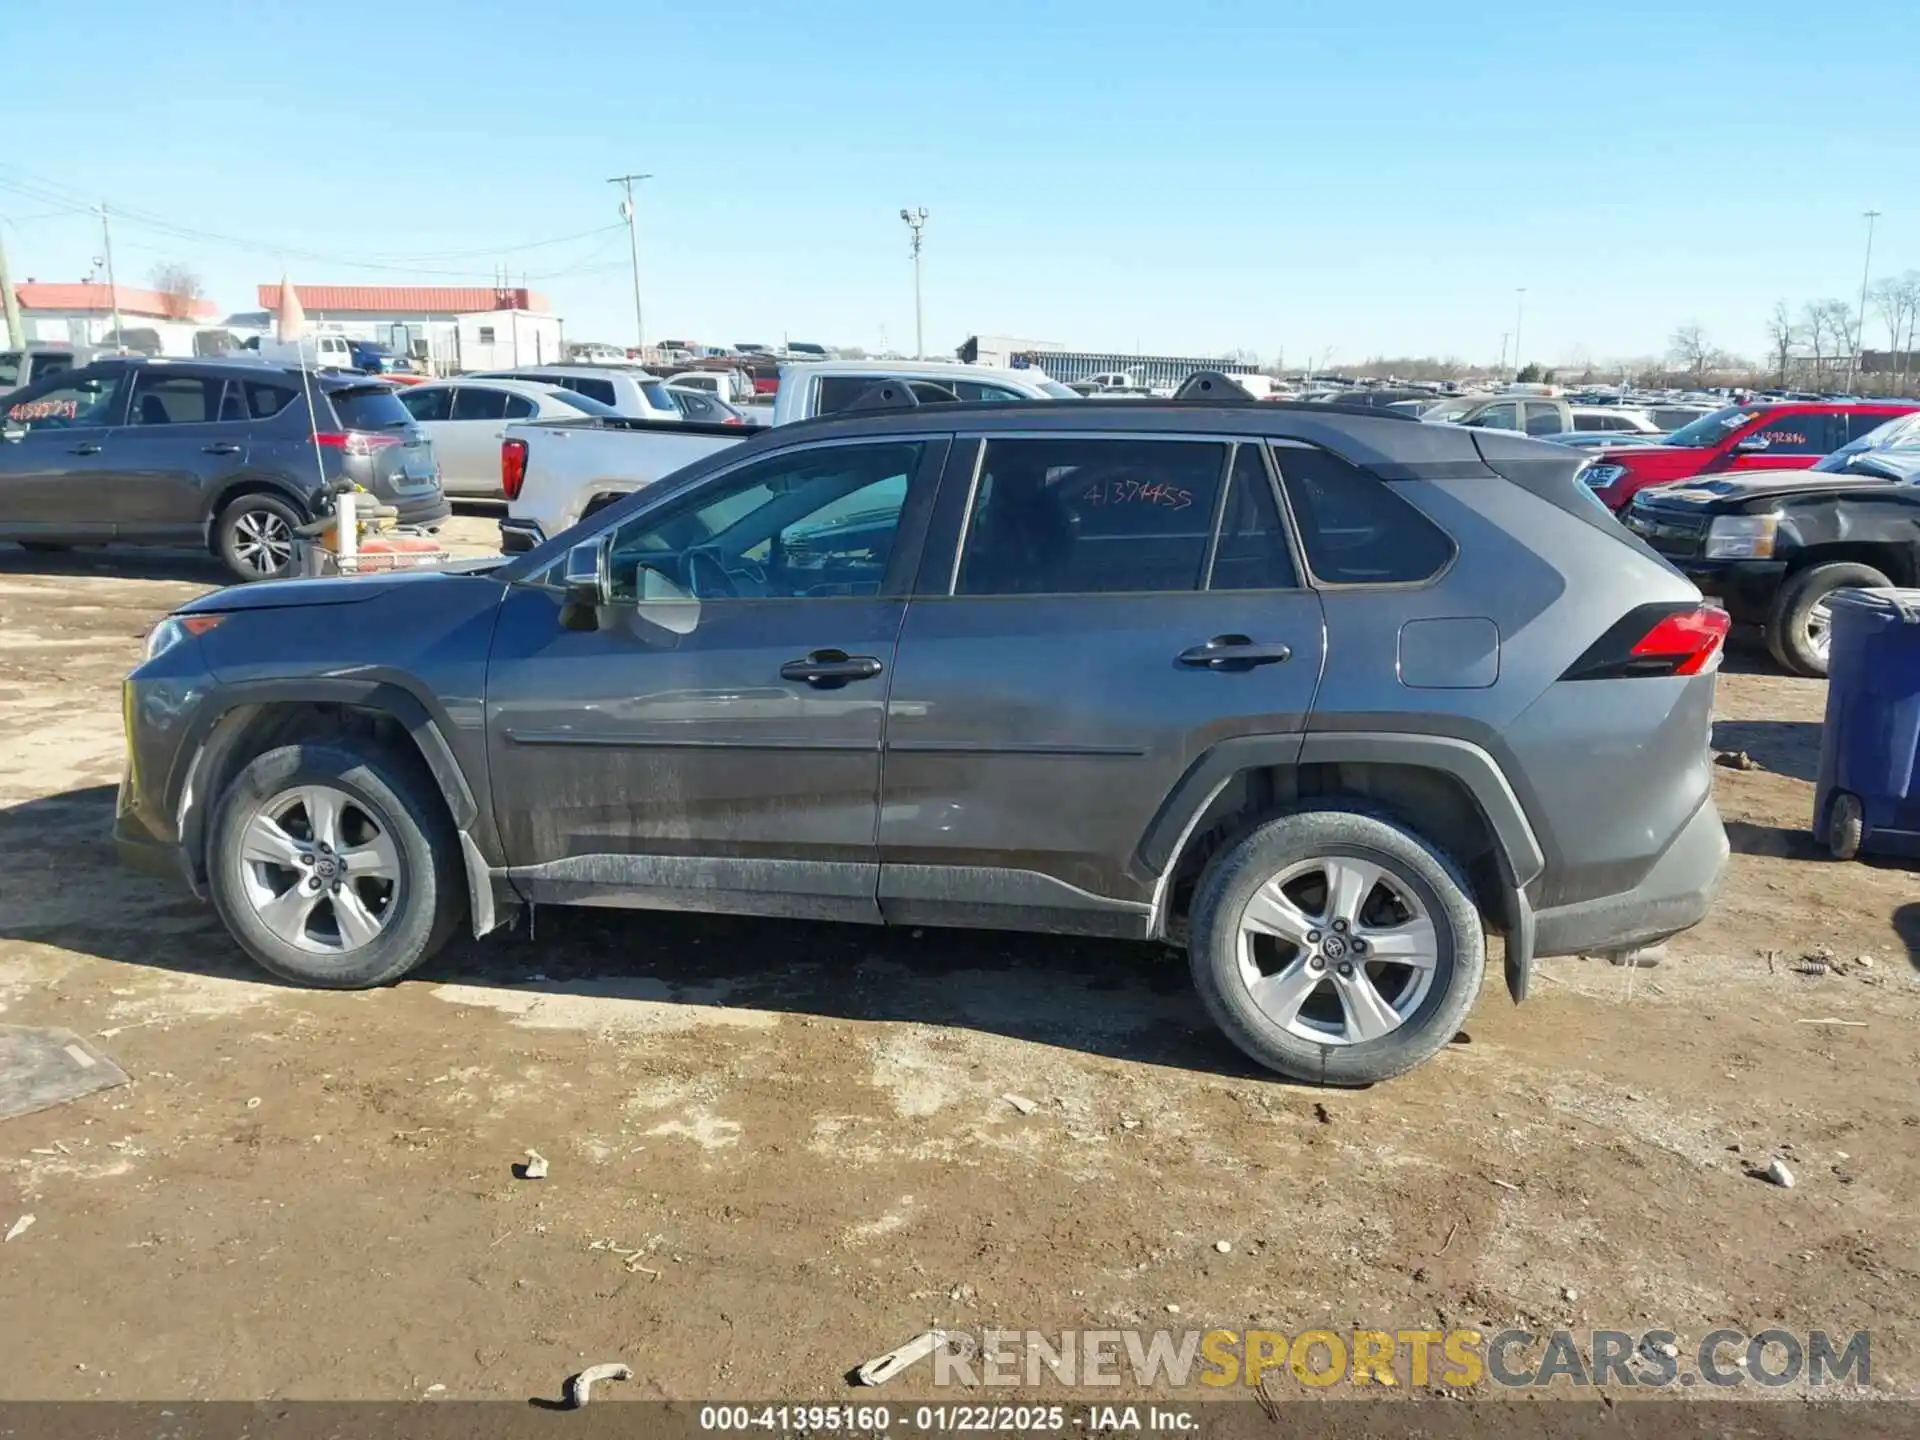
(1710, 430)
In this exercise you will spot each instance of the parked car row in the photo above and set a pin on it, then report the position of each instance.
(231, 455)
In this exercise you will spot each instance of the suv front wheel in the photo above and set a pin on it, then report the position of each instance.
(1336, 947)
(334, 865)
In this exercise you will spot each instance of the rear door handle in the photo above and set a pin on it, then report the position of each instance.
(86, 447)
(1233, 652)
(830, 669)
(220, 447)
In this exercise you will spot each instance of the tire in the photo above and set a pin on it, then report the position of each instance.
(1796, 638)
(372, 793)
(1417, 884)
(1846, 826)
(253, 530)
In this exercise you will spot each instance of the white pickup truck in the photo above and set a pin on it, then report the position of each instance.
(558, 472)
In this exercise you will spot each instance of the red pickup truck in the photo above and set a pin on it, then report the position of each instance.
(1783, 435)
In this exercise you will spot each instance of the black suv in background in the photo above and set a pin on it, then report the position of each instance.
(230, 454)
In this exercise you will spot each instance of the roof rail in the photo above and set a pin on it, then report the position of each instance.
(1211, 385)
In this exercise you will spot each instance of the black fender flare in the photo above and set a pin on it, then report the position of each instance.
(306, 500)
(1515, 844)
(242, 701)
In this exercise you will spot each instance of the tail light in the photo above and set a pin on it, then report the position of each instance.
(356, 442)
(513, 467)
(1655, 640)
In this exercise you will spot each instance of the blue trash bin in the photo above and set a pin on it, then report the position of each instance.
(1868, 794)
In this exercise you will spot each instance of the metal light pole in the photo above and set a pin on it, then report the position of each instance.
(916, 222)
(1860, 325)
(628, 214)
(1519, 313)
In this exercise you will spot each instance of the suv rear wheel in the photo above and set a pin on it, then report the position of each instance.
(1336, 947)
(254, 536)
(334, 866)
(1800, 626)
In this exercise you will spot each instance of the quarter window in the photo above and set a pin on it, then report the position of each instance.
(1353, 526)
(1497, 417)
(1078, 517)
(819, 523)
(267, 400)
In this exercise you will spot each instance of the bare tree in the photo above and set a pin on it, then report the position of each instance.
(1814, 325)
(179, 288)
(1782, 336)
(1844, 327)
(1691, 349)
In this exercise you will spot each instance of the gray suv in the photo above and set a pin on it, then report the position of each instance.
(1324, 695)
(230, 454)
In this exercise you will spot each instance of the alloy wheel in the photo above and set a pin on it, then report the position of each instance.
(1337, 950)
(319, 870)
(262, 542)
(1820, 629)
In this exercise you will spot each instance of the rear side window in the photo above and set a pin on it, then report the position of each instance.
(601, 390)
(1542, 419)
(837, 392)
(1863, 423)
(428, 404)
(373, 408)
(472, 402)
(1252, 554)
(1354, 527)
(161, 399)
(1081, 517)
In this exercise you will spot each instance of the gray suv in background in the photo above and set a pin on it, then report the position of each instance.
(1326, 696)
(227, 454)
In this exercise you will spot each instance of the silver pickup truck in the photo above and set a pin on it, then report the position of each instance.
(557, 472)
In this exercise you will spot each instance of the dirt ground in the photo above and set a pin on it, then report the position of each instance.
(780, 1149)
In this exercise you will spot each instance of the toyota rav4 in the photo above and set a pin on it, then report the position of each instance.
(1327, 696)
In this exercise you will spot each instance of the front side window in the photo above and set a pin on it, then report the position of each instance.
(161, 399)
(82, 402)
(1355, 529)
(819, 523)
(601, 390)
(1807, 433)
(425, 404)
(974, 390)
(1082, 517)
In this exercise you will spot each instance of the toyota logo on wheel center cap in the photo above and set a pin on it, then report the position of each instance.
(1334, 947)
(326, 867)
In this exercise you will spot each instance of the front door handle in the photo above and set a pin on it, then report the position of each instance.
(220, 447)
(86, 447)
(1233, 652)
(830, 669)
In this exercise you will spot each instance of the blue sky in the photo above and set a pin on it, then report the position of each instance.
(1191, 177)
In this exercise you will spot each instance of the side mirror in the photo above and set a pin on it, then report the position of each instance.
(586, 576)
(13, 432)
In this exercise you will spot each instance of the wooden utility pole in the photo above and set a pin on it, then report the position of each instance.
(16, 333)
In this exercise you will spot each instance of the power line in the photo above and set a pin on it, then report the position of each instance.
(68, 201)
